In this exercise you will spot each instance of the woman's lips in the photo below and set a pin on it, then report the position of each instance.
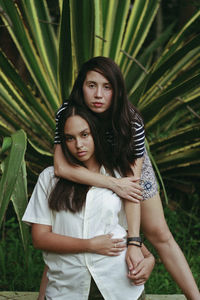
(97, 104)
(81, 153)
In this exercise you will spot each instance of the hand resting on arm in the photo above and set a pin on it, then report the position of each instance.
(44, 239)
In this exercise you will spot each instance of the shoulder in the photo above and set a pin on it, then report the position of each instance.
(49, 171)
(62, 107)
(135, 116)
(47, 178)
(137, 124)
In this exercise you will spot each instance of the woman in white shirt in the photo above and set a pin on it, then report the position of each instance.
(77, 226)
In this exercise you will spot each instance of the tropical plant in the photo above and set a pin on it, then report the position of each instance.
(13, 184)
(165, 90)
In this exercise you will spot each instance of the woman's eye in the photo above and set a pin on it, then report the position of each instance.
(91, 85)
(68, 138)
(107, 87)
(85, 134)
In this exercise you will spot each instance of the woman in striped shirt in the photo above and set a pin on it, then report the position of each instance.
(100, 87)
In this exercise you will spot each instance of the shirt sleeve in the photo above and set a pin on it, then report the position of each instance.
(138, 134)
(38, 211)
(64, 106)
(139, 139)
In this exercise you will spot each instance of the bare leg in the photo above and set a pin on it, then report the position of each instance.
(157, 232)
(43, 284)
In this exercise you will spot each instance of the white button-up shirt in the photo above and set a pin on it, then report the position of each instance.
(69, 275)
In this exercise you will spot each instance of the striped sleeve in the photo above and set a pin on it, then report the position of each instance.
(139, 139)
(57, 136)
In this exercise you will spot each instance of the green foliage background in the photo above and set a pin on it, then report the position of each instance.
(163, 84)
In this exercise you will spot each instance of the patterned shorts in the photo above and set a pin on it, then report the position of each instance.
(148, 178)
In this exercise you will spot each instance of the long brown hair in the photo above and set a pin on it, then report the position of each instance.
(68, 195)
(122, 112)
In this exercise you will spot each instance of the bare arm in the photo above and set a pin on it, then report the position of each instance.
(132, 209)
(127, 188)
(44, 239)
(134, 254)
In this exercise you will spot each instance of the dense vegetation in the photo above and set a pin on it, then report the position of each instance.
(42, 45)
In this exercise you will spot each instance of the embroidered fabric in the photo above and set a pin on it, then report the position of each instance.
(148, 178)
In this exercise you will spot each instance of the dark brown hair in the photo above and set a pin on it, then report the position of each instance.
(68, 195)
(122, 112)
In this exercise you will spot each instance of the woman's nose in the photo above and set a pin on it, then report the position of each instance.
(78, 143)
(98, 92)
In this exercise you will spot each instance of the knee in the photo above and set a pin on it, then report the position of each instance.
(159, 235)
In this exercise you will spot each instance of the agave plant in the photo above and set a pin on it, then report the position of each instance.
(165, 90)
(13, 184)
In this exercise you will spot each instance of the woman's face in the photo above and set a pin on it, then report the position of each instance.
(97, 92)
(79, 139)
